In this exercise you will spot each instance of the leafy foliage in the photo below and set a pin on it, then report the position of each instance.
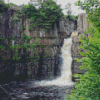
(92, 7)
(15, 50)
(49, 13)
(45, 16)
(87, 86)
(71, 17)
(30, 11)
(12, 4)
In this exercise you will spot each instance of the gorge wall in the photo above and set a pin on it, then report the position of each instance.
(47, 61)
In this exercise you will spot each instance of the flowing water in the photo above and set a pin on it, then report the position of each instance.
(65, 78)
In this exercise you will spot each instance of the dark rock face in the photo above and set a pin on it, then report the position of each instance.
(47, 66)
(9, 26)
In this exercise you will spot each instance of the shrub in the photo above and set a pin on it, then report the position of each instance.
(45, 16)
(71, 17)
(30, 11)
(88, 87)
(49, 13)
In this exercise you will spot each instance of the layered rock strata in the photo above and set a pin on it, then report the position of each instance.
(47, 66)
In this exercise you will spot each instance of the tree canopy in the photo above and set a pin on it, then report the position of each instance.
(47, 14)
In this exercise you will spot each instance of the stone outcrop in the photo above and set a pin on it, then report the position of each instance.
(68, 26)
(82, 23)
(75, 54)
(47, 66)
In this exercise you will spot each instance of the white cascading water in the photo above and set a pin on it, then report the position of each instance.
(65, 79)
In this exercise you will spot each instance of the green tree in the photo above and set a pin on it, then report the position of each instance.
(30, 11)
(88, 85)
(49, 13)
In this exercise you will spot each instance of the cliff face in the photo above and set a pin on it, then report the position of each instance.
(47, 66)
(10, 25)
(67, 26)
(82, 25)
(75, 54)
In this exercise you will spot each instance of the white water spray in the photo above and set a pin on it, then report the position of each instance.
(65, 79)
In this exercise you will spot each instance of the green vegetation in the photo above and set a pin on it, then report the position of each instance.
(3, 6)
(30, 11)
(49, 13)
(45, 16)
(16, 49)
(92, 7)
(71, 17)
(87, 86)
(12, 4)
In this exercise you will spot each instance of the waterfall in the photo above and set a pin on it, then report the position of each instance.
(65, 79)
